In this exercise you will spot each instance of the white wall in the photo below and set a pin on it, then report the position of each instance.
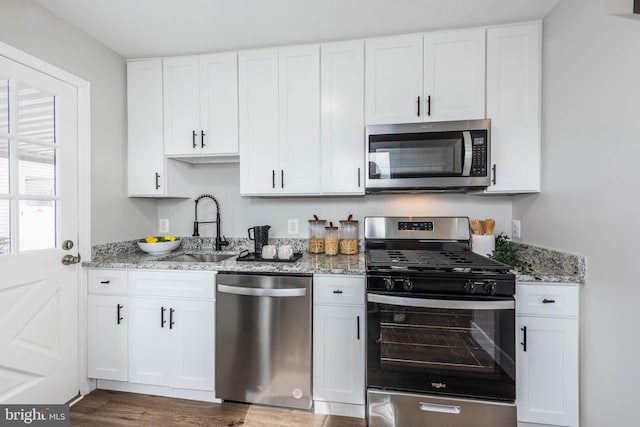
(27, 26)
(589, 200)
(238, 213)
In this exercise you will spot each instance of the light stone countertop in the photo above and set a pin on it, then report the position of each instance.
(548, 266)
(125, 256)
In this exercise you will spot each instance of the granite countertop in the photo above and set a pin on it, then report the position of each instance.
(548, 266)
(125, 255)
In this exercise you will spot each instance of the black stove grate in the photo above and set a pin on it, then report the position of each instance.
(431, 260)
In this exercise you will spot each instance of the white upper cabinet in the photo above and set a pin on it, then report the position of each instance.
(258, 88)
(393, 79)
(299, 90)
(150, 174)
(342, 117)
(513, 105)
(280, 121)
(454, 75)
(201, 105)
(431, 77)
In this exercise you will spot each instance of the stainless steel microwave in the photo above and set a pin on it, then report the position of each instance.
(438, 156)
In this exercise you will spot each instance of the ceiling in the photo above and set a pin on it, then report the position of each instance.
(144, 28)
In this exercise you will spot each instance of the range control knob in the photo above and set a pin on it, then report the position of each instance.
(407, 284)
(490, 287)
(470, 287)
(389, 284)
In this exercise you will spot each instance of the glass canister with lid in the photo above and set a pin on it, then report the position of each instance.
(349, 236)
(316, 235)
(331, 240)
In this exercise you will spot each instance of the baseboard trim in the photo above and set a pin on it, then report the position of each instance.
(341, 409)
(154, 390)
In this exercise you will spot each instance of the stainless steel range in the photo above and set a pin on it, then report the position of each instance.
(440, 327)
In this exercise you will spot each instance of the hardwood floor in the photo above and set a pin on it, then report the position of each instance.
(114, 408)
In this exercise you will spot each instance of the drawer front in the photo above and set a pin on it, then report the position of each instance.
(338, 289)
(166, 283)
(547, 300)
(107, 281)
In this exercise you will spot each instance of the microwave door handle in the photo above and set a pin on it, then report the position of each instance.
(466, 166)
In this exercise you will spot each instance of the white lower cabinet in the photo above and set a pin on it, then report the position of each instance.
(339, 345)
(107, 337)
(155, 335)
(108, 323)
(547, 355)
(171, 343)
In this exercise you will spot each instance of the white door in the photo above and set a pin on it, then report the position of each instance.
(219, 103)
(38, 212)
(191, 343)
(393, 80)
(454, 75)
(149, 358)
(181, 91)
(299, 102)
(342, 117)
(338, 369)
(258, 106)
(107, 320)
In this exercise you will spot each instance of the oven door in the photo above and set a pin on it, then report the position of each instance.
(456, 347)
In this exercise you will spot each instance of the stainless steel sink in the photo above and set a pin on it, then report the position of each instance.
(198, 258)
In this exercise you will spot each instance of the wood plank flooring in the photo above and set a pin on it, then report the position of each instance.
(115, 408)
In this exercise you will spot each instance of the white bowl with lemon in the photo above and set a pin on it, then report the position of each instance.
(159, 245)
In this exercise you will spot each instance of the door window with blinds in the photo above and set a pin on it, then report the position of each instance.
(28, 167)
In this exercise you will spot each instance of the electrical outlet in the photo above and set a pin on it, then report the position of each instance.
(516, 231)
(292, 226)
(163, 226)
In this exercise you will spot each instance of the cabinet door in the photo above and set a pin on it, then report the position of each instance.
(338, 354)
(342, 118)
(547, 372)
(192, 342)
(107, 337)
(454, 75)
(219, 104)
(149, 350)
(299, 114)
(181, 85)
(146, 164)
(259, 151)
(513, 105)
(393, 74)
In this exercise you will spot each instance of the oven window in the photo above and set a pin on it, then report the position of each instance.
(456, 351)
(416, 155)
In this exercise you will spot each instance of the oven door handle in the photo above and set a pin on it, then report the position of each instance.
(443, 303)
(468, 153)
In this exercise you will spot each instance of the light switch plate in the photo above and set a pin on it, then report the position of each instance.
(293, 226)
(516, 231)
(163, 226)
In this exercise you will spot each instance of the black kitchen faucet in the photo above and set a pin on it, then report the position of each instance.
(220, 242)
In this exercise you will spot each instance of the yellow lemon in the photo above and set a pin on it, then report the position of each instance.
(151, 239)
(169, 238)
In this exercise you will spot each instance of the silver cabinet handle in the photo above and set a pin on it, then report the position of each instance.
(441, 303)
(259, 292)
(445, 409)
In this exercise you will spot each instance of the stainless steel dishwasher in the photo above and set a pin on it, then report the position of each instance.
(263, 339)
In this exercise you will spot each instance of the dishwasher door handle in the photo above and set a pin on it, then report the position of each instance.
(261, 292)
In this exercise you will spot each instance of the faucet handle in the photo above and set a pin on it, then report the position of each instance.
(224, 241)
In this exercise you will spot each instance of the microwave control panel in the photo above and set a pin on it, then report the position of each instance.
(478, 155)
